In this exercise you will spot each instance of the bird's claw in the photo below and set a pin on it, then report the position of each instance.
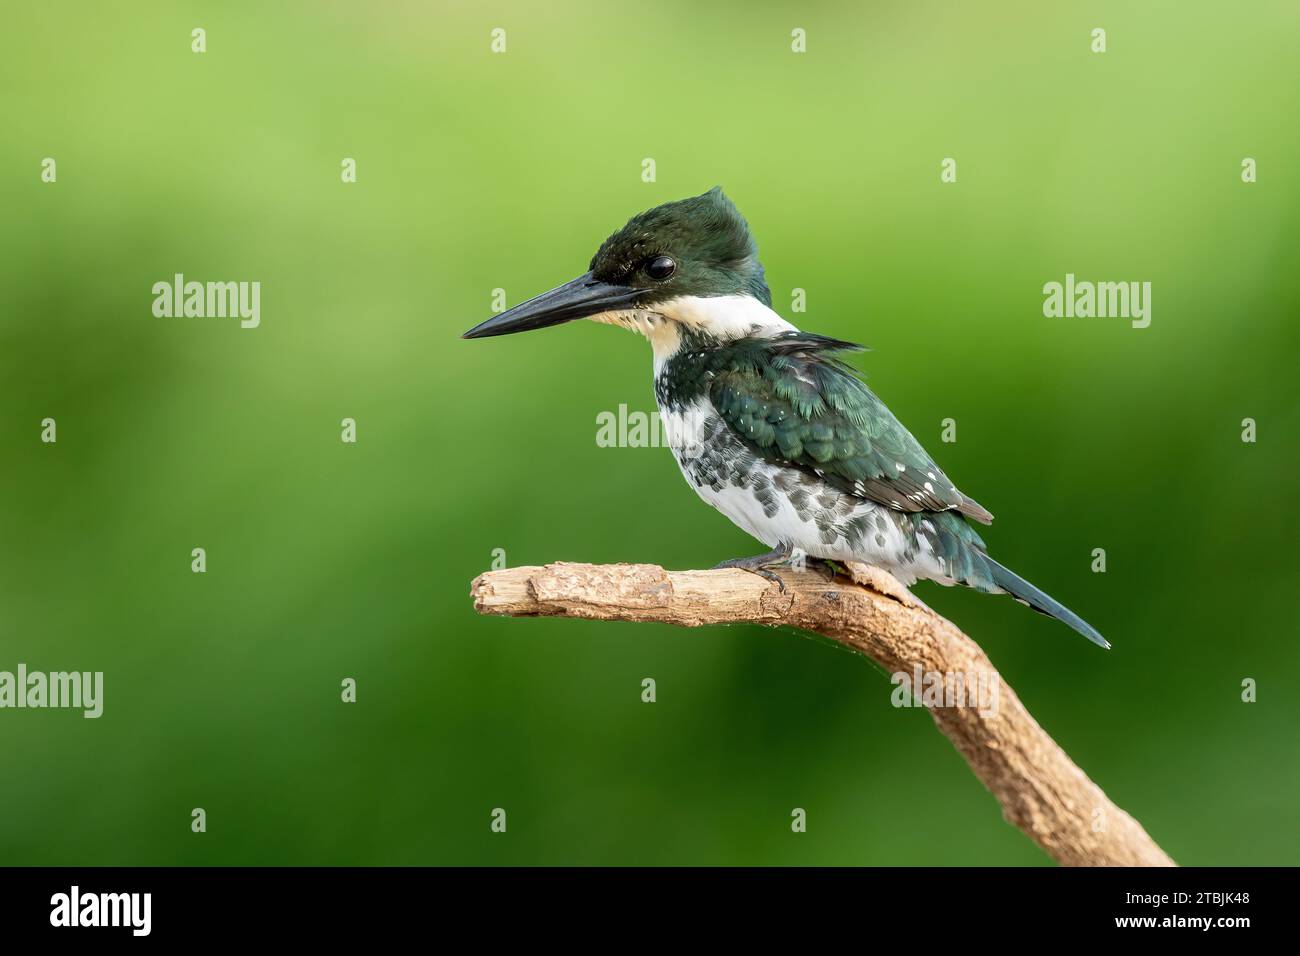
(771, 576)
(761, 565)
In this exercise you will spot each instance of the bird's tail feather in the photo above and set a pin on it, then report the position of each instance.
(1022, 590)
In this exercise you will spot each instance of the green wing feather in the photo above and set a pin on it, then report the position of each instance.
(792, 400)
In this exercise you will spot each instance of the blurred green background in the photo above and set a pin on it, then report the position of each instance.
(479, 170)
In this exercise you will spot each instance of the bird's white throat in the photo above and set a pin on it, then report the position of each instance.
(723, 317)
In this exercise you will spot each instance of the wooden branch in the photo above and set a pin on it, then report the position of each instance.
(1041, 790)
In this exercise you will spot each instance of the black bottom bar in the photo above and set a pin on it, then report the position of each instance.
(334, 905)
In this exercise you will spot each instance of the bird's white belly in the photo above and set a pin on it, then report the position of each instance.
(785, 505)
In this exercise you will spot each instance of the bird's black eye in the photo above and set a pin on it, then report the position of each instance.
(660, 268)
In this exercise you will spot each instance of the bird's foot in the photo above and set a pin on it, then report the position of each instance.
(762, 564)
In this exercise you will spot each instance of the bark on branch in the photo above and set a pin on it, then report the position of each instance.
(1040, 789)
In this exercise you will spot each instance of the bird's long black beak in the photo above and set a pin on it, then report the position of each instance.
(578, 299)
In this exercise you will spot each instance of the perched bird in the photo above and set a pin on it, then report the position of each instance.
(767, 422)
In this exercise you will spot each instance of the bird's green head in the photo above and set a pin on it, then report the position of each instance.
(699, 246)
(689, 262)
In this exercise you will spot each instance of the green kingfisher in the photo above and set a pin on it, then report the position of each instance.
(769, 423)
